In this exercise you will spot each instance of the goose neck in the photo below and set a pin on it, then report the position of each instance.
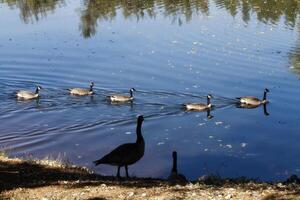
(174, 168)
(265, 96)
(139, 132)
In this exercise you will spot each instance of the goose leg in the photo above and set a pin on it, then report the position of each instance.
(126, 168)
(118, 173)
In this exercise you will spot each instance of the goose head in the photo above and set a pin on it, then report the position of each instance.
(209, 96)
(132, 90)
(140, 118)
(38, 88)
(267, 90)
(92, 84)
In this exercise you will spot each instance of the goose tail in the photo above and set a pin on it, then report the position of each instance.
(97, 162)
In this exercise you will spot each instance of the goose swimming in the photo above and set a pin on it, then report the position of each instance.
(27, 95)
(82, 91)
(253, 101)
(126, 154)
(199, 106)
(121, 97)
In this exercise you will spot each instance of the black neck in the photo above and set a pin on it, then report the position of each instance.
(265, 95)
(208, 100)
(174, 169)
(139, 131)
(91, 88)
(37, 90)
(130, 91)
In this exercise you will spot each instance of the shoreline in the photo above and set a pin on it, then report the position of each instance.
(48, 179)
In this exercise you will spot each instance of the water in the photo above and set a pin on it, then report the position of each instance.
(172, 52)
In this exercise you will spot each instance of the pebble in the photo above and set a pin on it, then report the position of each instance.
(144, 194)
(130, 194)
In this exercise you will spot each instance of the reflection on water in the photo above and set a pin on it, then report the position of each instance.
(182, 10)
(33, 9)
(179, 11)
(266, 11)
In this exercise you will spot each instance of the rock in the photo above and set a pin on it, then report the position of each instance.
(130, 194)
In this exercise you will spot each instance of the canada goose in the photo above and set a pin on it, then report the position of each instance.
(175, 177)
(199, 106)
(126, 154)
(27, 95)
(253, 101)
(82, 91)
(122, 98)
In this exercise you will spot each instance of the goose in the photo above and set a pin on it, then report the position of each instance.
(126, 154)
(253, 101)
(121, 97)
(82, 91)
(199, 106)
(27, 95)
(175, 177)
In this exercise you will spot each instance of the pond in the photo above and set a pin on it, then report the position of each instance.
(171, 52)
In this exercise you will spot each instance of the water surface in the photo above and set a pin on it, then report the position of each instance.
(172, 52)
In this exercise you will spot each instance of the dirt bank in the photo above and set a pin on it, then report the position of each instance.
(45, 180)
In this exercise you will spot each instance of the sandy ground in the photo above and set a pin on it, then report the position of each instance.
(45, 180)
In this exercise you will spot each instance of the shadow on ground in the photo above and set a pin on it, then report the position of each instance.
(28, 174)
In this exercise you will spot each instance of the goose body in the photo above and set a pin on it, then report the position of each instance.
(199, 106)
(121, 97)
(126, 154)
(82, 91)
(253, 101)
(175, 177)
(27, 95)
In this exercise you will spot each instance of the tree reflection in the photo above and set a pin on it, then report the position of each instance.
(268, 11)
(178, 10)
(33, 9)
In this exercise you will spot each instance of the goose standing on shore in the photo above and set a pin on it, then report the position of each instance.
(126, 154)
(252, 102)
(199, 106)
(27, 95)
(175, 177)
(82, 91)
(121, 97)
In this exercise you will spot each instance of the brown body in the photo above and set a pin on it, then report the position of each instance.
(121, 97)
(28, 95)
(82, 91)
(199, 106)
(249, 101)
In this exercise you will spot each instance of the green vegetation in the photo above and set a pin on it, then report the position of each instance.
(33, 9)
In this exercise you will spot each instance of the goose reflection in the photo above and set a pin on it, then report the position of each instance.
(249, 106)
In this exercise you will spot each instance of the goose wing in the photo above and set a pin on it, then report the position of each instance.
(124, 154)
(195, 106)
(26, 94)
(119, 97)
(249, 100)
(79, 91)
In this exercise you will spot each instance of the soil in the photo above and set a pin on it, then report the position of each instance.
(47, 180)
